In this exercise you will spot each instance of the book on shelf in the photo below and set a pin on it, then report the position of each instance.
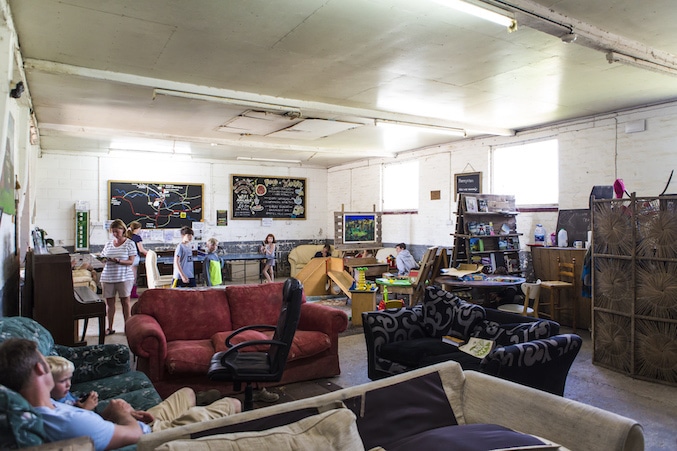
(471, 204)
(448, 339)
(477, 347)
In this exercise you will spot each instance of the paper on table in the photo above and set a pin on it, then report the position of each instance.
(463, 270)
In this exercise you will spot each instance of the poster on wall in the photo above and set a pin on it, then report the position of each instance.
(7, 182)
(155, 205)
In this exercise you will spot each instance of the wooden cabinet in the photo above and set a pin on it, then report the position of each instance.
(486, 232)
(546, 268)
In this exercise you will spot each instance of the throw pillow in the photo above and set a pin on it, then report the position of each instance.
(469, 437)
(397, 411)
(331, 430)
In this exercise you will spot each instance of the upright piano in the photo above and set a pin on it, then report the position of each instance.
(50, 298)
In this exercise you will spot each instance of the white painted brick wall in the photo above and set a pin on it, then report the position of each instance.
(592, 152)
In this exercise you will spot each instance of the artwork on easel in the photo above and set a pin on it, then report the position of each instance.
(471, 204)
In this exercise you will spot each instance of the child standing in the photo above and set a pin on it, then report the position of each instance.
(134, 234)
(211, 266)
(184, 273)
(268, 249)
(62, 372)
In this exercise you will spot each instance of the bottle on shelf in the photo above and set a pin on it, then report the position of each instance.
(539, 234)
(562, 238)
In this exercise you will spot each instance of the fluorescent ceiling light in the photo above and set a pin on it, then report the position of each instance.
(615, 57)
(420, 127)
(270, 160)
(482, 12)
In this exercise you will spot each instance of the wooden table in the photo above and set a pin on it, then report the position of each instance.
(362, 301)
(374, 268)
(486, 285)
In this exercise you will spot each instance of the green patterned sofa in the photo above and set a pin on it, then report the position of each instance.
(104, 368)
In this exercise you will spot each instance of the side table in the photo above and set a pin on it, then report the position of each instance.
(362, 301)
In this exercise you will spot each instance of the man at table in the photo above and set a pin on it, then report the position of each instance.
(404, 260)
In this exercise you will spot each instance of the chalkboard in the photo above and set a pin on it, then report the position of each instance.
(468, 182)
(576, 223)
(155, 205)
(268, 197)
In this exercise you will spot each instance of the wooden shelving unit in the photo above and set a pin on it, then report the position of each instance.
(486, 232)
(634, 304)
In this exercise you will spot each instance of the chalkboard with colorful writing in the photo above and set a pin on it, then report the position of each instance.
(155, 205)
(257, 197)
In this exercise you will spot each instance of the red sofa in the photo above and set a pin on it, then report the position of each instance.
(175, 332)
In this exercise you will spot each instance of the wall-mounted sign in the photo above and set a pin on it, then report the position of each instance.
(467, 182)
(256, 197)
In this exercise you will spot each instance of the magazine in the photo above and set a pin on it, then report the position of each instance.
(448, 339)
(477, 347)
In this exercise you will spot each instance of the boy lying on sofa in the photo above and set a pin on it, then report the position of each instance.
(25, 370)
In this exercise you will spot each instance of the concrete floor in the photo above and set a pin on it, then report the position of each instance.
(653, 405)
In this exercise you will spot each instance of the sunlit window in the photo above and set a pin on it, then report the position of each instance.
(529, 171)
(400, 186)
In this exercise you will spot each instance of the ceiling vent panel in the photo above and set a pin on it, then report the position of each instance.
(311, 129)
(259, 123)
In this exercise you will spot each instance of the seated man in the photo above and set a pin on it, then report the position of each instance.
(24, 369)
(404, 260)
(325, 252)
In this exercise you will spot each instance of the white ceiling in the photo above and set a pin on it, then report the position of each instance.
(99, 71)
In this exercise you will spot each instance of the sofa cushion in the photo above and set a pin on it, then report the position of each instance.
(189, 356)
(180, 313)
(21, 327)
(446, 314)
(331, 430)
(469, 437)
(392, 409)
(20, 425)
(411, 352)
(507, 334)
(306, 343)
(254, 304)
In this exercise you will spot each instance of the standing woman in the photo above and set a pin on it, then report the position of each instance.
(117, 276)
(268, 249)
(134, 234)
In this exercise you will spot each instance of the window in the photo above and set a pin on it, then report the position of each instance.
(400, 186)
(529, 171)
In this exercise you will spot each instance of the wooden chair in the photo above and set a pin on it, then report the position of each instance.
(425, 275)
(565, 282)
(532, 292)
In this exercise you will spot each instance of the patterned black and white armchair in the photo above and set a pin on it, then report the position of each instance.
(527, 349)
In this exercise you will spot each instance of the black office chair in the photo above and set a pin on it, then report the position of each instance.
(248, 367)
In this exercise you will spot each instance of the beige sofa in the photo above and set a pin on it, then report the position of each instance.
(409, 404)
(301, 255)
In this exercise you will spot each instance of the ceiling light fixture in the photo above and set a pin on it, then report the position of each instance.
(497, 16)
(421, 127)
(293, 111)
(615, 57)
(269, 160)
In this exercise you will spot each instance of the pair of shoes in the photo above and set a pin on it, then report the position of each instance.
(204, 398)
(264, 395)
(110, 331)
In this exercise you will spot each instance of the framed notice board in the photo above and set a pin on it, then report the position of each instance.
(467, 183)
(256, 197)
(155, 205)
